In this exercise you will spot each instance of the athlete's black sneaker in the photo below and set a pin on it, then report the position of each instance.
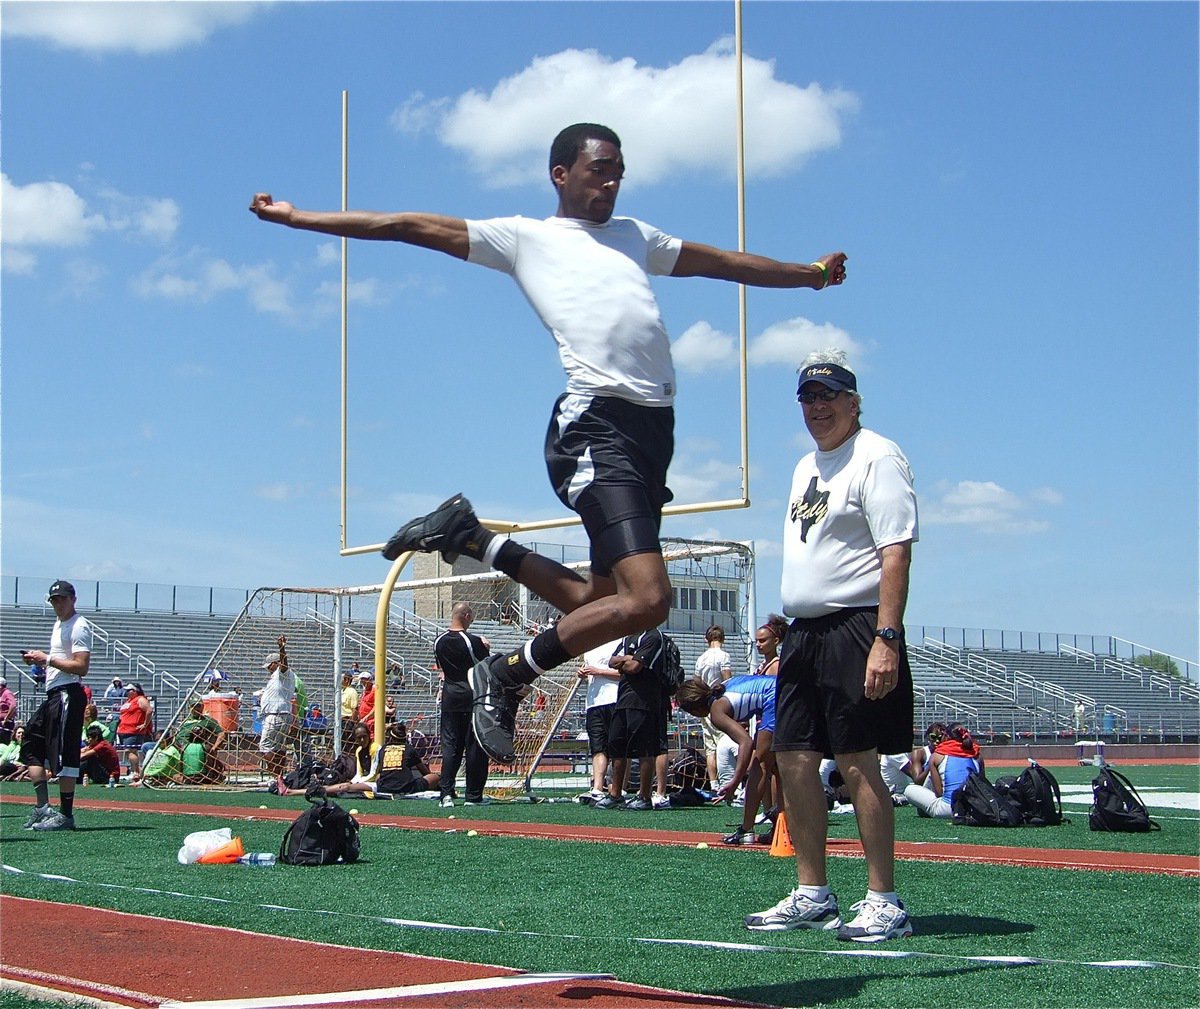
(494, 711)
(450, 528)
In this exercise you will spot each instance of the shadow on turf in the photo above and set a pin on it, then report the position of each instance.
(831, 991)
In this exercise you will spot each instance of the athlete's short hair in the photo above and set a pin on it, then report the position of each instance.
(570, 142)
(715, 633)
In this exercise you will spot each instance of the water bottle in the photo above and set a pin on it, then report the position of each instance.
(260, 859)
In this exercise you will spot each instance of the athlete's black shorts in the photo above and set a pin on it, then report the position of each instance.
(607, 459)
(820, 703)
(52, 735)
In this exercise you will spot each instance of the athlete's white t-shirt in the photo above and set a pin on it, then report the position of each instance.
(589, 285)
(711, 664)
(845, 506)
(601, 689)
(68, 637)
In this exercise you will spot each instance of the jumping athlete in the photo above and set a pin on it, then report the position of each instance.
(611, 434)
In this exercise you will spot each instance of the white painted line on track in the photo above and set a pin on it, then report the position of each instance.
(696, 943)
(482, 984)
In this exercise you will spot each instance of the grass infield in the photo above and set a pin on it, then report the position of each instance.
(551, 905)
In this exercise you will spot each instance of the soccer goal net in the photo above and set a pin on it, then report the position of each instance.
(213, 738)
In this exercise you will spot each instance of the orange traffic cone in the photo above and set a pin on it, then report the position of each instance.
(781, 841)
(226, 854)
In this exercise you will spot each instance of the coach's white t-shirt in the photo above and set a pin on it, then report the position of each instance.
(845, 506)
(589, 285)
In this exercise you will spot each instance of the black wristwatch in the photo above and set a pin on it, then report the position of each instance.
(887, 633)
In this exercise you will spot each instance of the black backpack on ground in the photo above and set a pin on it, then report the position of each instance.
(1036, 791)
(978, 803)
(1117, 806)
(322, 835)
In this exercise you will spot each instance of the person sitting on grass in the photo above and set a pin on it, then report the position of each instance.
(198, 739)
(164, 764)
(727, 705)
(955, 758)
(396, 769)
(91, 716)
(11, 767)
(99, 762)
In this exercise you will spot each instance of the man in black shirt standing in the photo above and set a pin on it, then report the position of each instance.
(456, 651)
(638, 717)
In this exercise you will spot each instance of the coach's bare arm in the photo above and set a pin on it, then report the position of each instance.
(429, 231)
(758, 271)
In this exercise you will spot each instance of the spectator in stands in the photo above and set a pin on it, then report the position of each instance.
(844, 685)
(276, 701)
(114, 693)
(601, 701)
(91, 716)
(198, 739)
(349, 705)
(396, 768)
(956, 756)
(456, 651)
(50, 747)
(637, 725)
(767, 640)
(1080, 718)
(99, 762)
(134, 726)
(713, 667)
(11, 767)
(729, 705)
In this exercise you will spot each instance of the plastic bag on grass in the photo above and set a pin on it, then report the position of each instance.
(210, 846)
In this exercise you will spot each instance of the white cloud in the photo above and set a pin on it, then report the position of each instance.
(675, 117)
(54, 215)
(791, 341)
(45, 213)
(694, 480)
(142, 28)
(988, 507)
(277, 491)
(702, 348)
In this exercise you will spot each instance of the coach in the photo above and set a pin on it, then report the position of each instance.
(844, 685)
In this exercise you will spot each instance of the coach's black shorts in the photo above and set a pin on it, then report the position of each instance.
(607, 459)
(52, 735)
(633, 733)
(820, 703)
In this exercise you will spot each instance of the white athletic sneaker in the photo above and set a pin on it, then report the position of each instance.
(55, 821)
(876, 921)
(447, 802)
(796, 911)
(37, 815)
(661, 802)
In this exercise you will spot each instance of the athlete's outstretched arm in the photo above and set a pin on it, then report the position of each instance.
(430, 231)
(758, 271)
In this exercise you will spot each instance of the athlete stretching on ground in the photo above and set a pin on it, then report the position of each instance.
(611, 434)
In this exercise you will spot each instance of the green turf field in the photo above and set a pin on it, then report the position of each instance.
(621, 908)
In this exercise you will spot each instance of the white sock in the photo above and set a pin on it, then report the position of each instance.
(820, 894)
(884, 898)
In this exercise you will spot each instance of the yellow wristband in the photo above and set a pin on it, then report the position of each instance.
(824, 274)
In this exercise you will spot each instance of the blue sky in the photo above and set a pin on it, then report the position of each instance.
(1015, 185)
